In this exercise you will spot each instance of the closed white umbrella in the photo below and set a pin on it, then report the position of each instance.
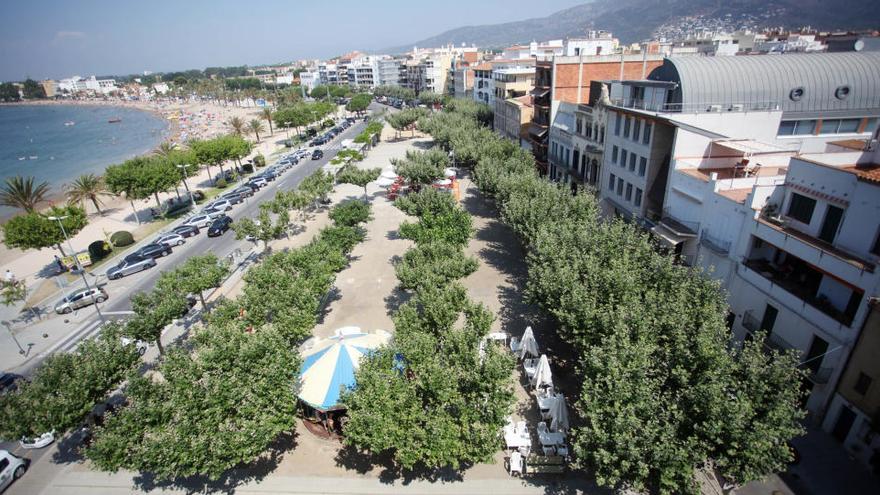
(390, 174)
(543, 376)
(442, 182)
(385, 181)
(528, 344)
(559, 414)
(450, 172)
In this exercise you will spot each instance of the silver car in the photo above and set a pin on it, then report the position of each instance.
(170, 239)
(79, 299)
(129, 266)
(220, 204)
(200, 221)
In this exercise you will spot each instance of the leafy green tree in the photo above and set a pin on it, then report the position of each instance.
(434, 264)
(88, 187)
(33, 90)
(351, 174)
(454, 227)
(318, 185)
(262, 229)
(196, 275)
(216, 407)
(66, 386)
(36, 231)
(347, 156)
(153, 311)
(350, 213)
(422, 167)
(211, 152)
(8, 92)
(142, 177)
(359, 103)
(21, 192)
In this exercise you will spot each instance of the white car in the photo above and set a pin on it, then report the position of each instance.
(11, 468)
(220, 204)
(139, 344)
(170, 239)
(200, 221)
(213, 213)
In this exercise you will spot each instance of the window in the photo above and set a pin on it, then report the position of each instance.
(611, 182)
(623, 154)
(646, 137)
(870, 125)
(626, 125)
(829, 126)
(863, 382)
(617, 124)
(876, 248)
(619, 186)
(849, 126)
(801, 208)
(638, 200)
(629, 191)
(643, 166)
(632, 162)
(796, 128)
(614, 154)
(637, 126)
(579, 126)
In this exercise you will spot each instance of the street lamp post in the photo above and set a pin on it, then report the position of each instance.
(79, 267)
(191, 198)
(20, 348)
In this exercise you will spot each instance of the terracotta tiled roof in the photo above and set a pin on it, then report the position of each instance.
(868, 172)
(853, 144)
(484, 66)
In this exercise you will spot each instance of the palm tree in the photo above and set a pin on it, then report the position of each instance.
(164, 149)
(20, 192)
(237, 124)
(256, 127)
(266, 114)
(87, 186)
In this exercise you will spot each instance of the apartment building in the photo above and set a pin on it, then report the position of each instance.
(428, 73)
(577, 139)
(484, 84)
(569, 79)
(709, 155)
(512, 118)
(852, 417)
(389, 72)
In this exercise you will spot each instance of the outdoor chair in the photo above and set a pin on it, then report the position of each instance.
(549, 450)
(542, 428)
(521, 429)
(515, 344)
(516, 463)
(562, 450)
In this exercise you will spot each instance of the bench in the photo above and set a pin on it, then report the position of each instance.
(542, 464)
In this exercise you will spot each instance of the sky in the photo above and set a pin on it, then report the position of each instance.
(61, 38)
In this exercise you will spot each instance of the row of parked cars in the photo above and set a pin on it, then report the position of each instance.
(332, 133)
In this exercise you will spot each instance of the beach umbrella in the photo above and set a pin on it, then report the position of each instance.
(559, 414)
(543, 376)
(528, 344)
(329, 365)
(450, 172)
(442, 182)
(390, 174)
(385, 181)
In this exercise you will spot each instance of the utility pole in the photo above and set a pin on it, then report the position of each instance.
(79, 267)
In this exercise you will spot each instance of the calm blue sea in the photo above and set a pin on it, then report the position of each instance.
(34, 140)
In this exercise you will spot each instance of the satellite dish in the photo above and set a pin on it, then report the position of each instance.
(859, 45)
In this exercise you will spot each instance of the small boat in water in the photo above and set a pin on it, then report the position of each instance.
(69, 123)
(33, 157)
(114, 120)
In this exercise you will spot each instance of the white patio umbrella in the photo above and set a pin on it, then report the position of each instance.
(450, 172)
(442, 182)
(559, 413)
(543, 376)
(528, 344)
(390, 174)
(384, 181)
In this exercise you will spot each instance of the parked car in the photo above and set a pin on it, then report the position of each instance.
(220, 226)
(9, 382)
(11, 468)
(233, 197)
(317, 155)
(80, 299)
(220, 204)
(257, 182)
(152, 250)
(170, 239)
(185, 230)
(199, 221)
(244, 191)
(141, 346)
(127, 267)
(213, 213)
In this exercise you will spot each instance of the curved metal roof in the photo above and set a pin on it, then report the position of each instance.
(760, 79)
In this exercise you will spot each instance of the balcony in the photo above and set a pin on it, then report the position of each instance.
(715, 244)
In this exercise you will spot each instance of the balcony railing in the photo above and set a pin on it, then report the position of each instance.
(773, 341)
(821, 376)
(695, 107)
(720, 246)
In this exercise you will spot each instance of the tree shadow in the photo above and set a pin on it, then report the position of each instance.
(232, 479)
(424, 145)
(49, 270)
(393, 235)
(353, 459)
(396, 299)
(325, 306)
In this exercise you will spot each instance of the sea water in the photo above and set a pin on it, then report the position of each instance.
(57, 143)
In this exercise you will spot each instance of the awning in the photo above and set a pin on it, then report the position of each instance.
(666, 236)
(540, 92)
(537, 131)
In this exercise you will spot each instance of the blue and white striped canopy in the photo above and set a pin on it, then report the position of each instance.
(329, 365)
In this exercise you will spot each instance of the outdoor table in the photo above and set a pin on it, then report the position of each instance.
(551, 438)
(544, 403)
(514, 441)
(530, 366)
(498, 336)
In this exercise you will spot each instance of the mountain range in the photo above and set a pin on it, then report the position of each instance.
(637, 20)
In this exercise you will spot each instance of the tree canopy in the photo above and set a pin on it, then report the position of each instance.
(36, 231)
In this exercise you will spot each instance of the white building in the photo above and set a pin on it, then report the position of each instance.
(596, 43)
(726, 161)
(78, 84)
(309, 79)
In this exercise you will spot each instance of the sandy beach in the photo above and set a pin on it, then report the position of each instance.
(188, 120)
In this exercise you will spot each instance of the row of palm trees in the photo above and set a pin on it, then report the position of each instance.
(255, 127)
(25, 194)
